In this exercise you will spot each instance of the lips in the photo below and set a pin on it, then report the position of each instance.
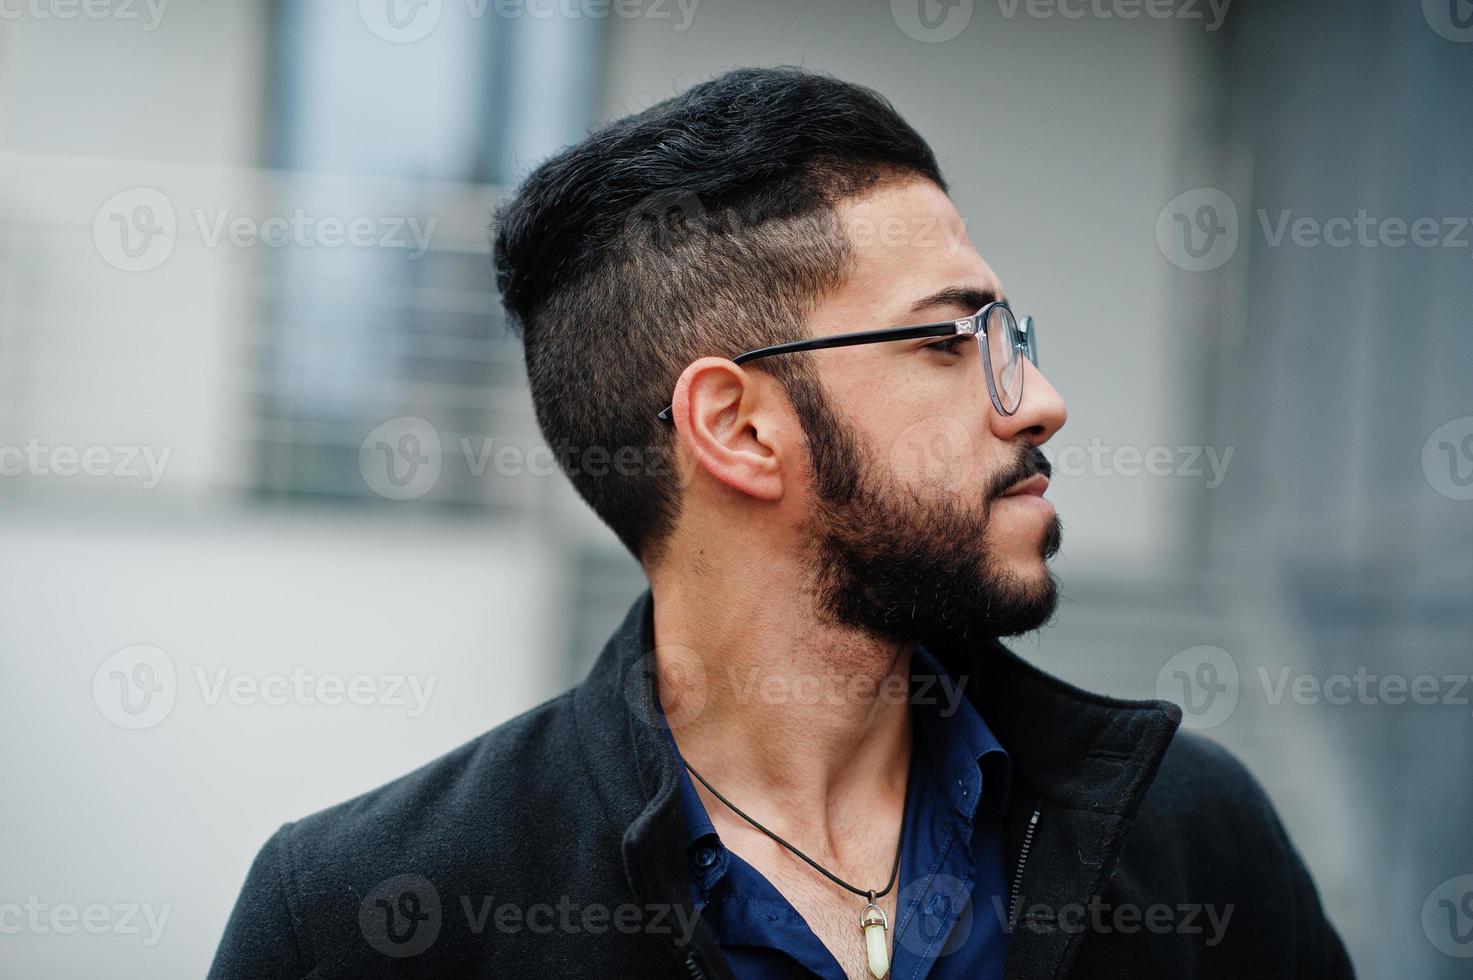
(1034, 486)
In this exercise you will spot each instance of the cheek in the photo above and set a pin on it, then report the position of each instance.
(941, 452)
(926, 437)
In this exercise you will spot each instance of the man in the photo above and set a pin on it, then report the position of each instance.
(804, 752)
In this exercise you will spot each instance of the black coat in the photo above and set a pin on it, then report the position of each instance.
(552, 846)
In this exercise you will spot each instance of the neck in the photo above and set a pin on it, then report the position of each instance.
(789, 716)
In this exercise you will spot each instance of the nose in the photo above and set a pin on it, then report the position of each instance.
(1039, 415)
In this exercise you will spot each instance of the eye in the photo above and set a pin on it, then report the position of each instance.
(951, 345)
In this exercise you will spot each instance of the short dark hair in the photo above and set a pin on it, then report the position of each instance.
(705, 224)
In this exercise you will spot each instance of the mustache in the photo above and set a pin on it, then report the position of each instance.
(1030, 462)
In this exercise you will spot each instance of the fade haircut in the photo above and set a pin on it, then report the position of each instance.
(704, 225)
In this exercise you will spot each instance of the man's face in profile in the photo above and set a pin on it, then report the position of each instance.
(928, 516)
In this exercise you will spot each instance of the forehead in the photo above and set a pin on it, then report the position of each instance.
(908, 241)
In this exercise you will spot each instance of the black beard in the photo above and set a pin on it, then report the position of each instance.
(901, 568)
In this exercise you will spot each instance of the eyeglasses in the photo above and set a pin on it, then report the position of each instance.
(1004, 340)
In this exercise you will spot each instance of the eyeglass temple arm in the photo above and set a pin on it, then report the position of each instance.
(837, 340)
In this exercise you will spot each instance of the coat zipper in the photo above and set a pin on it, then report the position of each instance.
(1022, 860)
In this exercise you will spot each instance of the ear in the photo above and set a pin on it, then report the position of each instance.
(732, 422)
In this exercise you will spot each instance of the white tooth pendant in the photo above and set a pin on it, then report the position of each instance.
(876, 944)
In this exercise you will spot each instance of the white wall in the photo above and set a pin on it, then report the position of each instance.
(170, 815)
(91, 107)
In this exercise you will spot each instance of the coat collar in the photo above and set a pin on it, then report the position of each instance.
(1082, 761)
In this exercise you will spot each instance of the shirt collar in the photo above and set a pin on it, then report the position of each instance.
(964, 757)
(704, 850)
(951, 739)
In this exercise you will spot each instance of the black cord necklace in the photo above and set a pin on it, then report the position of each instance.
(872, 920)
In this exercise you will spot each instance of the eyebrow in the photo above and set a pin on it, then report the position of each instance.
(971, 298)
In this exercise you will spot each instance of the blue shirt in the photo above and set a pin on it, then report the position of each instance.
(951, 883)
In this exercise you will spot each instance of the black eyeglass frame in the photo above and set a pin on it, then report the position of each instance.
(971, 326)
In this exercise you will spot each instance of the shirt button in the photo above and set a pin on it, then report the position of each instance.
(704, 858)
(963, 787)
